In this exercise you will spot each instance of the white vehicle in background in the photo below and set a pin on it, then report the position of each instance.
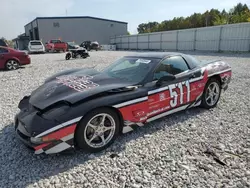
(36, 46)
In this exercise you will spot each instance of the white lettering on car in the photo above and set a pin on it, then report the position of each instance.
(78, 83)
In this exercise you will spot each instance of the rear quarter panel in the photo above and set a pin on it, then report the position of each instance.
(222, 69)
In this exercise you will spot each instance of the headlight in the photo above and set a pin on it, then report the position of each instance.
(59, 110)
(36, 140)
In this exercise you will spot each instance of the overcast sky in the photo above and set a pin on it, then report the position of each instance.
(15, 14)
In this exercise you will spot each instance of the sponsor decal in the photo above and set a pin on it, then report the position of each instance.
(158, 110)
(151, 100)
(138, 113)
(201, 85)
(154, 106)
(146, 61)
(162, 96)
(78, 83)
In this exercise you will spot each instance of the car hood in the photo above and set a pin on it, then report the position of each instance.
(73, 86)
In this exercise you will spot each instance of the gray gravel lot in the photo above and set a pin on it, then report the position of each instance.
(175, 151)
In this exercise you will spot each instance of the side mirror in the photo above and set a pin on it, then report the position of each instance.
(167, 78)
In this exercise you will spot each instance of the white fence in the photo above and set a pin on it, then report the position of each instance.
(232, 37)
(108, 47)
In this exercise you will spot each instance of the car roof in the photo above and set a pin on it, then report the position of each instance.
(159, 55)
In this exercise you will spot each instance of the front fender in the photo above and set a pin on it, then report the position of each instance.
(81, 108)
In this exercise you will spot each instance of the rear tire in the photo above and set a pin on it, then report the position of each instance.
(12, 64)
(211, 94)
(97, 130)
(84, 56)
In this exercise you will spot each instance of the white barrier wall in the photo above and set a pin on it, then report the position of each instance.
(232, 37)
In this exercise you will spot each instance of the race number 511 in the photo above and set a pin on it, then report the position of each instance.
(179, 93)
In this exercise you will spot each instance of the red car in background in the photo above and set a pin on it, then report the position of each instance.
(12, 59)
(56, 46)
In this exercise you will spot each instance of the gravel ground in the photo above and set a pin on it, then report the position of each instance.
(175, 151)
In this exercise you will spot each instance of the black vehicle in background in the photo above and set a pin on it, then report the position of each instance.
(3, 43)
(90, 45)
(77, 52)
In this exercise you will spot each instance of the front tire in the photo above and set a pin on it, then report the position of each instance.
(68, 56)
(97, 130)
(12, 65)
(211, 94)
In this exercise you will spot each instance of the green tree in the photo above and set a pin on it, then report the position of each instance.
(239, 13)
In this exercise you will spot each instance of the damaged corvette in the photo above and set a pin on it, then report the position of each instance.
(87, 109)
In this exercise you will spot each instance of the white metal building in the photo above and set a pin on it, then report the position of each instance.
(78, 29)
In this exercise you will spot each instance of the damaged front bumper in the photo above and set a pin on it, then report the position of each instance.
(39, 134)
(23, 135)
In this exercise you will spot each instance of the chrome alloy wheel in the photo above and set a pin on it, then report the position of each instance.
(12, 65)
(212, 93)
(99, 130)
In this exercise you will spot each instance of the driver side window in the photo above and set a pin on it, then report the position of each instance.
(172, 65)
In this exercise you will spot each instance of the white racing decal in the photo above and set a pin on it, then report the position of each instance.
(158, 110)
(174, 95)
(131, 102)
(196, 79)
(157, 90)
(78, 83)
(167, 113)
(196, 100)
(167, 87)
(39, 151)
(58, 148)
(59, 127)
(127, 128)
(227, 70)
(146, 61)
(68, 137)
